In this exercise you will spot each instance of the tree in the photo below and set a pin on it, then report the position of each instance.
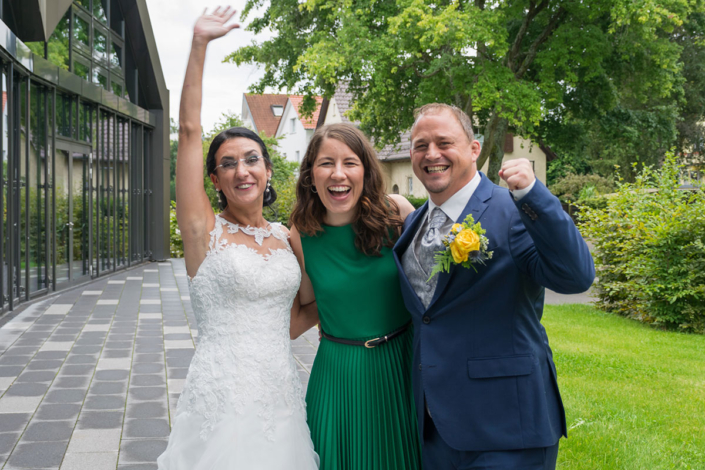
(509, 65)
(173, 148)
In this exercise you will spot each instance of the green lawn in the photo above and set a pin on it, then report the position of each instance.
(634, 395)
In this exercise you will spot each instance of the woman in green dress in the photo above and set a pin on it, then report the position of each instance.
(359, 401)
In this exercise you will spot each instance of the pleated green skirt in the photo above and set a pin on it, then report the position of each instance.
(360, 406)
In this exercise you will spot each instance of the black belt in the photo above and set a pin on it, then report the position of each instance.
(370, 343)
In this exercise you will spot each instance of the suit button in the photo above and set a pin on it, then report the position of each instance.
(420, 367)
(426, 320)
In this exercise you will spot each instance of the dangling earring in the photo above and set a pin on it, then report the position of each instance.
(313, 189)
(268, 186)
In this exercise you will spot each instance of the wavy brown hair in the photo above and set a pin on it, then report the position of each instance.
(377, 223)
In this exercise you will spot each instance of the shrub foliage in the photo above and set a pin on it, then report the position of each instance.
(650, 251)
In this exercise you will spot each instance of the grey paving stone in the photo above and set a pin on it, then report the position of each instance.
(140, 358)
(18, 360)
(82, 369)
(100, 420)
(20, 350)
(177, 372)
(8, 441)
(38, 454)
(104, 402)
(118, 344)
(68, 395)
(37, 376)
(180, 353)
(171, 336)
(147, 380)
(44, 365)
(48, 431)
(108, 388)
(62, 338)
(123, 330)
(178, 361)
(82, 359)
(16, 422)
(145, 450)
(146, 428)
(139, 466)
(148, 409)
(27, 389)
(146, 393)
(64, 411)
(148, 368)
(117, 353)
(10, 371)
(150, 347)
(72, 381)
(86, 349)
(89, 341)
(110, 374)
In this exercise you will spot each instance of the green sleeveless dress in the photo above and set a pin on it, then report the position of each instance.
(359, 401)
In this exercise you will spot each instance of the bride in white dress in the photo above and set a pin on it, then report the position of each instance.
(242, 406)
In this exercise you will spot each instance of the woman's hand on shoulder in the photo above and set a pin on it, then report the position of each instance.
(405, 207)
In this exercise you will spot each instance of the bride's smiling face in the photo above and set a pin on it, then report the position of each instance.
(242, 182)
(339, 176)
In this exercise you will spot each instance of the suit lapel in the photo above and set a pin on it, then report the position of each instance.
(477, 205)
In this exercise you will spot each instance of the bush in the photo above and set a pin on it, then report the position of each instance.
(578, 188)
(176, 244)
(416, 201)
(650, 251)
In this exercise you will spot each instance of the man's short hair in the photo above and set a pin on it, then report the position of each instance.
(437, 108)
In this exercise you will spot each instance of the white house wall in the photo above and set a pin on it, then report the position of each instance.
(292, 142)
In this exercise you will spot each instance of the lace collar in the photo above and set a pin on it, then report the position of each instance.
(259, 233)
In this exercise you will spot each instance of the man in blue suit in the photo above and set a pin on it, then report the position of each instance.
(484, 379)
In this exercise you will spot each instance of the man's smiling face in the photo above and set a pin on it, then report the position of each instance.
(442, 155)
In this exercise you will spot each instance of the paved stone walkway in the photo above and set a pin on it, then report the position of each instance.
(89, 378)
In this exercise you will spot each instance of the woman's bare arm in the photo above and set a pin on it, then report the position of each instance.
(405, 207)
(193, 209)
(306, 316)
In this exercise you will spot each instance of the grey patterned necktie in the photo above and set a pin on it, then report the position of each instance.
(432, 240)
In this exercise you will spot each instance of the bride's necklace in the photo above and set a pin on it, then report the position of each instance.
(260, 233)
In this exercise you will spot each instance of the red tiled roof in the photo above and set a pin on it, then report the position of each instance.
(261, 110)
(309, 123)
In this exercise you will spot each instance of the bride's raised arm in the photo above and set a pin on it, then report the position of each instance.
(193, 209)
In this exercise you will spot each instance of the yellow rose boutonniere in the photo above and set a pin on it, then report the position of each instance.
(466, 244)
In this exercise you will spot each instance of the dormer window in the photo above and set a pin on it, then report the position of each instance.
(277, 110)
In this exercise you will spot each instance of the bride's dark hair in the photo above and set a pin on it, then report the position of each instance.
(232, 133)
(377, 222)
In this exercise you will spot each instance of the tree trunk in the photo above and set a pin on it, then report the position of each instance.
(493, 148)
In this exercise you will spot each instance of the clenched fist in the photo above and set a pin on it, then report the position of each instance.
(518, 174)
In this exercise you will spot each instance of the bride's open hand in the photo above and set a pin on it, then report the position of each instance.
(212, 26)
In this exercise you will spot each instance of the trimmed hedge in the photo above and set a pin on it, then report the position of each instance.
(650, 250)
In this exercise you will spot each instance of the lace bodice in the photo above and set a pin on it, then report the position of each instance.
(242, 301)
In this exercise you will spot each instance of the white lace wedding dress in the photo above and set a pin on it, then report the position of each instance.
(242, 406)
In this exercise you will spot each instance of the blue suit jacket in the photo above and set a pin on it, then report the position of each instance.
(481, 356)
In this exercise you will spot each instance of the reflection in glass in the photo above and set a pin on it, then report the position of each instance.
(81, 31)
(79, 215)
(85, 4)
(6, 277)
(22, 190)
(117, 87)
(115, 55)
(58, 46)
(99, 10)
(81, 70)
(100, 77)
(126, 146)
(62, 185)
(65, 115)
(38, 160)
(107, 192)
(100, 45)
(85, 122)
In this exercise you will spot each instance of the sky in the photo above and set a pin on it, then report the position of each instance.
(223, 84)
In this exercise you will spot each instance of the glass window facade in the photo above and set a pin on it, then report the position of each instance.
(76, 170)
